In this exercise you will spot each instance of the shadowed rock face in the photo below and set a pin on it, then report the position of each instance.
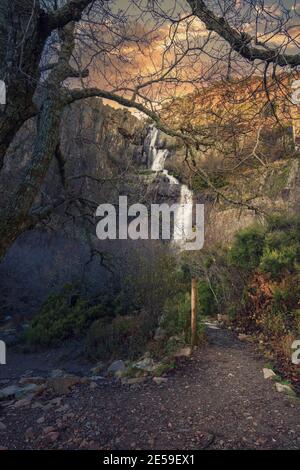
(96, 140)
(41, 262)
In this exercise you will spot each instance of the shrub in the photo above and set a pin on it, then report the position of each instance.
(275, 262)
(165, 366)
(284, 222)
(62, 316)
(153, 278)
(206, 299)
(232, 311)
(177, 317)
(124, 337)
(296, 315)
(247, 248)
(200, 183)
(282, 246)
(177, 311)
(273, 323)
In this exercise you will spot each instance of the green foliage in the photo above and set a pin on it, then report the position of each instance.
(273, 251)
(124, 337)
(232, 311)
(286, 222)
(206, 299)
(164, 367)
(177, 311)
(286, 299)
(274, 262)
(247, 248)
(199, 183)
(177, 317)
(62, 316)
(282, 246)
(174, 343)
(153, 279)
(296, 315)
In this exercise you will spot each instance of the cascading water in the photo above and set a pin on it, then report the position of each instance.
(158, 158)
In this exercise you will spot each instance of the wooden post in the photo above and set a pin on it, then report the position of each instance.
(194, 312)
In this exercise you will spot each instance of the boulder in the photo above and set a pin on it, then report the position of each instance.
(268, 373)
(133, 381)
(57, 373)
(95, 378)
(223, 318)
(62, 385)
(28, 389)
(23, 402)
(9, 392)
(99, 367)
(146, 364)
(119, 374)
(160, 380)
(184, 352)
(243, 337)
(116, 367)
(283, 388)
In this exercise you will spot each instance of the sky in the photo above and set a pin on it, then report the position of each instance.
(134, 62)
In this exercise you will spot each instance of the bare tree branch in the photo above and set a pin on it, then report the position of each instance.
(72, 11)
(240, 41)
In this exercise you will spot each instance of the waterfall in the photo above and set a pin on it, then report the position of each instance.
(158, 157)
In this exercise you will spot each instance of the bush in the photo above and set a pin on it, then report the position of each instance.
(286, 222)
(296, 315)
(199, 183)
(62, 316)
(177, 317)
(275, 262)
(152, 278)
(124, 337)
(282, 246)
(247, 248)
(206, 299)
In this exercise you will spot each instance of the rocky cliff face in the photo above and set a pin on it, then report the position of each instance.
(275, 188)
(99, 146)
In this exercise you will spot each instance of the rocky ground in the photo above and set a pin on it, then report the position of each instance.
(216, 399)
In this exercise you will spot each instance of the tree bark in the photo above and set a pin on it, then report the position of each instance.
(24, 30)
(17, 217)
(22, 40)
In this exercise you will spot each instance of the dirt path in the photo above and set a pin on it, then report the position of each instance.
(218, 400)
